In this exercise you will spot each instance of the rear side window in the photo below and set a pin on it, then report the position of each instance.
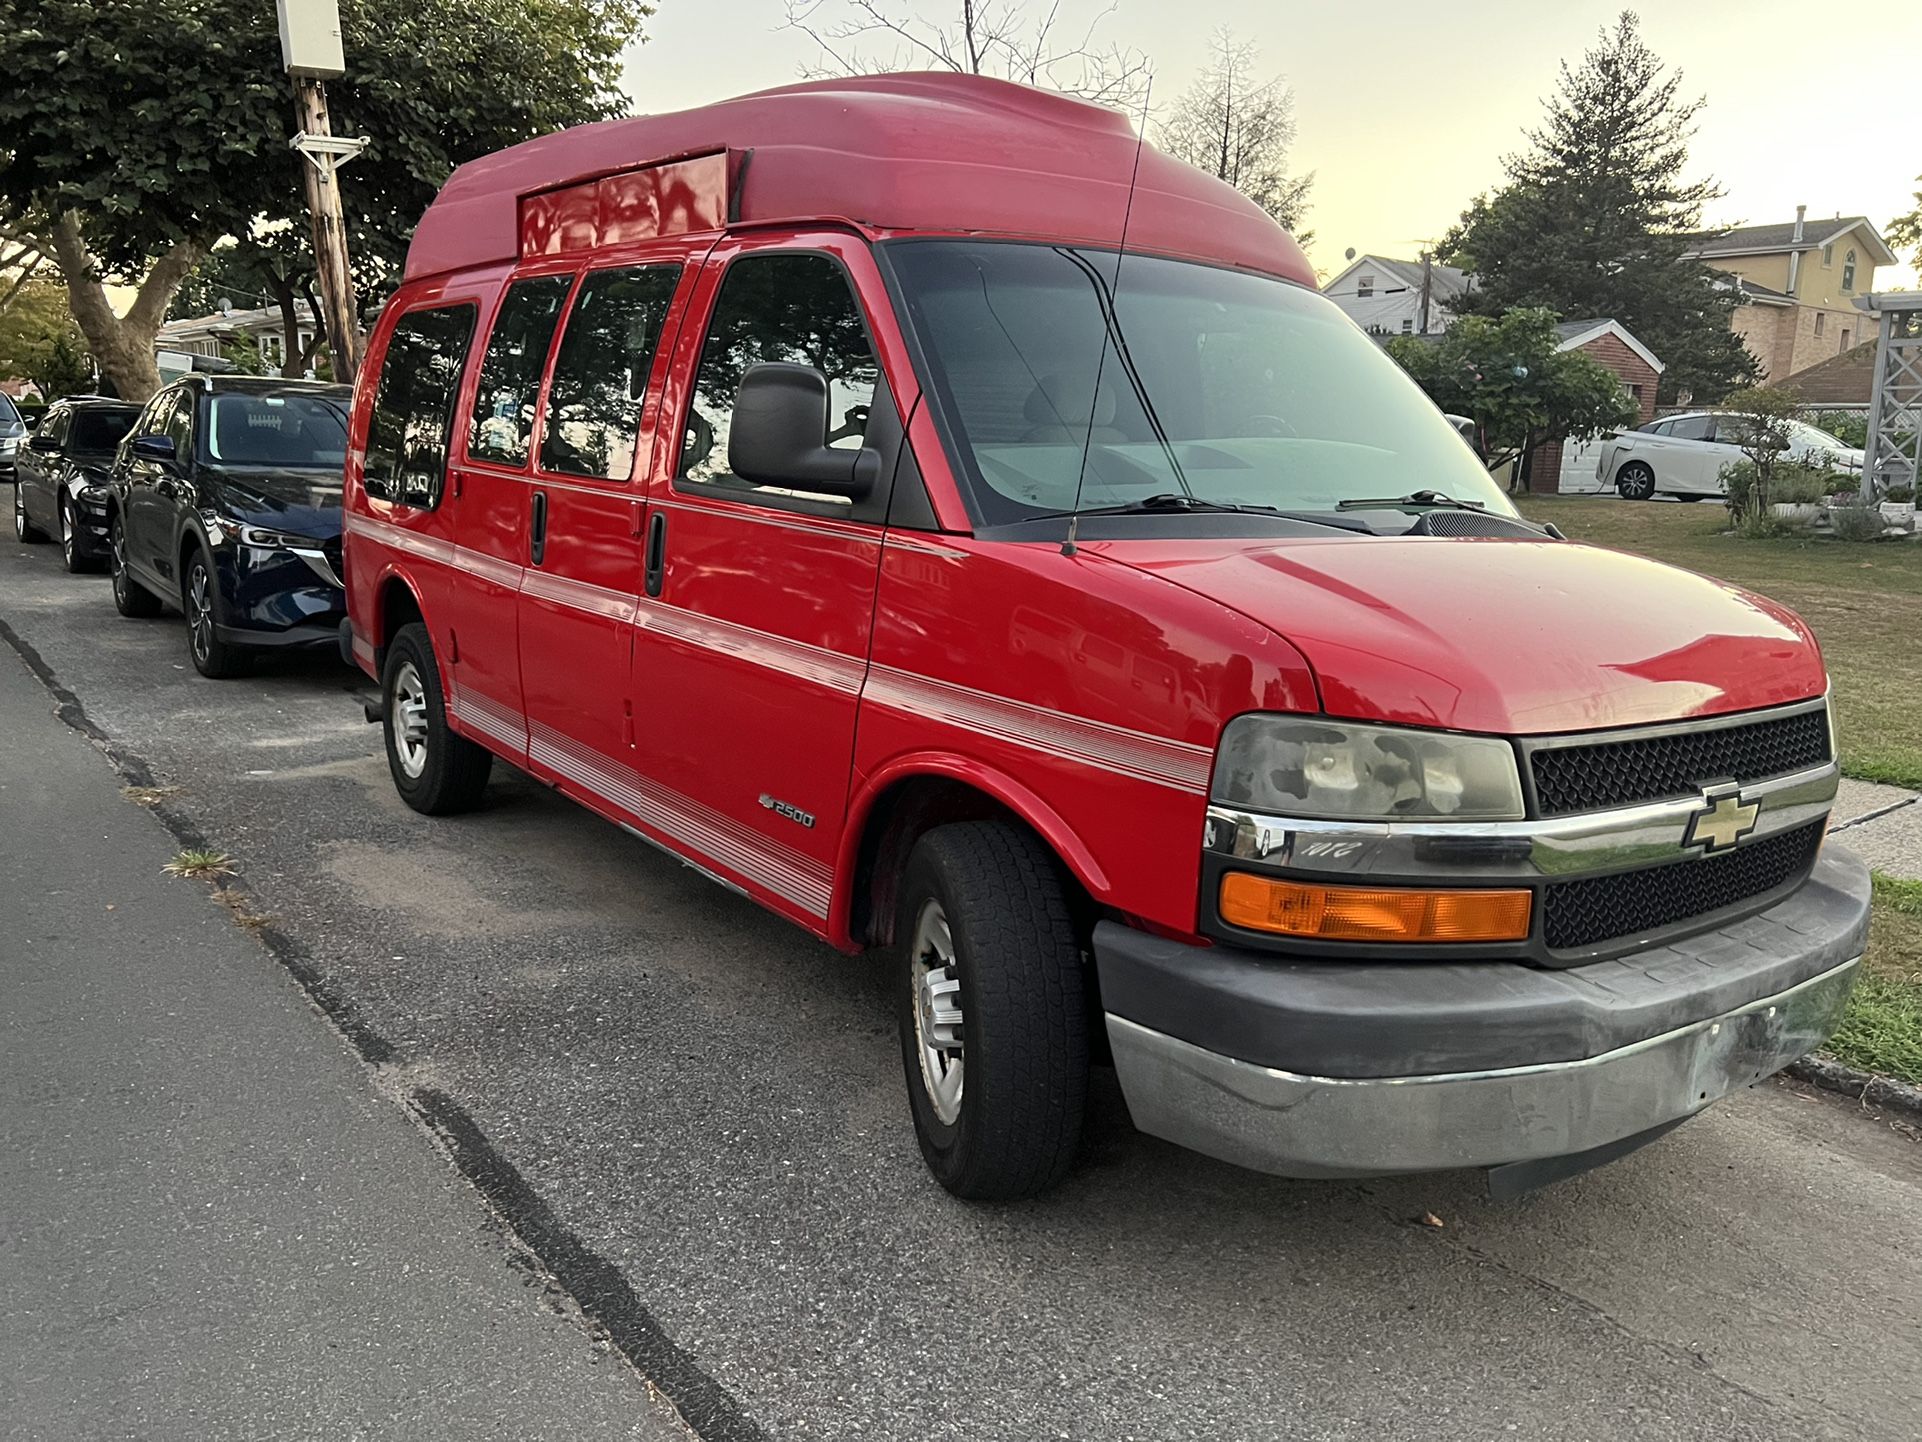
(779, 307)
(414, 405)
(600, 376)
(1693, 428)
(510, 378)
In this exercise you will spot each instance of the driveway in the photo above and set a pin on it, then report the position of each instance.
(693, 1115)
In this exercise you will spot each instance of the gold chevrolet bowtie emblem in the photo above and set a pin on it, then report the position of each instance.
(1725, 820)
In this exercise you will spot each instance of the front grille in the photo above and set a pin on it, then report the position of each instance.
(1658, 768)
(1600, 908)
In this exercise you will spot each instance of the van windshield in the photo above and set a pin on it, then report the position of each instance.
(1230, 387)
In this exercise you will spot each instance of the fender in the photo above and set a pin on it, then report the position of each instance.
(951, 766)
(392, 570)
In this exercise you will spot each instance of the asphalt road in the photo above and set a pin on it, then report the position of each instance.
(693, 1115)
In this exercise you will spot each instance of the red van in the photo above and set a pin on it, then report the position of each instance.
(965, 531)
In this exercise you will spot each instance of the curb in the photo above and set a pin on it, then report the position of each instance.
(1875, 1090)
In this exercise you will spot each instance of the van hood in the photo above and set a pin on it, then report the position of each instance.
(1503, 636)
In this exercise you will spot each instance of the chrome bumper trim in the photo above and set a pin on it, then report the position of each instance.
(1548, 848)
(1310, 1126)
(318, 563)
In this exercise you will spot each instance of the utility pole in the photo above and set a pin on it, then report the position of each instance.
(311, 50)
(1427, 287)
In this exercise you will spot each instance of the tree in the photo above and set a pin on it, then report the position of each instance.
(1238, 128)
(1509, 374)
(39, 341)
(1907, 229)
(1596, 217)
(140, 132)
(272, 268)
(983, 37)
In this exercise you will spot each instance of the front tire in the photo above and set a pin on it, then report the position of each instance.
(130, 598)
(435, 771)
(993, 1011)
(213, 658)
(76, 563)
(24, 531)
(1635, 482)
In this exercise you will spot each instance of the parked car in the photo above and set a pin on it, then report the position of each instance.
(225, 504)
(1684, 455)
(61, 485)
(13, 435)
(1123, 641)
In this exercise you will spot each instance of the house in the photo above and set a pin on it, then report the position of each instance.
(1570, 465)
(1798, 281)
(1847, 379)
(1384, 297)
(203, 335)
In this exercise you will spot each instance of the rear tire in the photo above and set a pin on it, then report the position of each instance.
(993, 1011)
(435, 771)
(130, 598)
(1635, 482)
(213, 658)
(24, 531)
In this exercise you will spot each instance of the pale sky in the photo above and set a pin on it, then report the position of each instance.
(1405, 109)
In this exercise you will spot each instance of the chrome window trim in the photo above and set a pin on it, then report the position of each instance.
(1552, 848)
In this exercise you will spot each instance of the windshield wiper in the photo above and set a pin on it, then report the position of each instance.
(1173, 501)
(1432, 499)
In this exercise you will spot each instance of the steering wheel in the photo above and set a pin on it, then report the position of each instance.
(1274, 425)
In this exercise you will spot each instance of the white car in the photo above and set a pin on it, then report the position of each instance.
(1683, 455)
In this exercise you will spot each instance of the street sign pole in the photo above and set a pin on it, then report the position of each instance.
(310, 48)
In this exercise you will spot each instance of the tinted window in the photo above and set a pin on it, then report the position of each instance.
(178, 426)
(600, 376)
(510, 378)
(794, 308)
(414, 405)
(1693, 428)
(8, 412)
(99, 431)
(245, 429)
(1067, 389)
(53, 425)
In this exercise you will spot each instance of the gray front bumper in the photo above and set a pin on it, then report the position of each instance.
(1634, 1044)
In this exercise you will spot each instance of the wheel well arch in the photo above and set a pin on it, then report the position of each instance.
(396, 604)
(902, 803)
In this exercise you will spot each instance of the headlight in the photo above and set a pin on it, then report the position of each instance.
(1309, 767)
(263, 539)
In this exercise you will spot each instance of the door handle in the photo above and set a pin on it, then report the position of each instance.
(655, 566)
(537, 528)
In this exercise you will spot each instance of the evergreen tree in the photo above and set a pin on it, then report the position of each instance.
(1596, 215)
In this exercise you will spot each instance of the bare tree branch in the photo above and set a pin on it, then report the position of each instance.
(1239, 128)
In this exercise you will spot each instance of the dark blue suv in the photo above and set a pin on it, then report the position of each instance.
(225, 505)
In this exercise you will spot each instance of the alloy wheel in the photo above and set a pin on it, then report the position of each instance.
(200, 610)
(409, 720)
(68, 541)
(937, 1011)
(19, 513)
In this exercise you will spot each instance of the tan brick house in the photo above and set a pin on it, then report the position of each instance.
(1799, 280)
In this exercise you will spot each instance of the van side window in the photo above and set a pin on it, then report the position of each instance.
(414, 405)
(600, 376)
(510, 377)
(779, 307)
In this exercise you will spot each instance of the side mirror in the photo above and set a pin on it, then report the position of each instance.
(45, 445)
(779, 435)
(31, 419)
(154, 448)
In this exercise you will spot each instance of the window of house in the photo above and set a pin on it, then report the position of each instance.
(272, 349)
(510, 378)
(593, 418)
(1408, 327)
(1848, 271)
(1821, 318)
(414, 405)
(1845, 338)
(1828, 254)
(1364, 286)
(779, 307)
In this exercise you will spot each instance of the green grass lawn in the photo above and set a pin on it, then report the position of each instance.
(1864, 603)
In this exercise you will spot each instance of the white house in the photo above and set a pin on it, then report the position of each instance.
(1383, 296)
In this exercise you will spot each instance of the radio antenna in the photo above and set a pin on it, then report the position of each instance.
(1110, 320)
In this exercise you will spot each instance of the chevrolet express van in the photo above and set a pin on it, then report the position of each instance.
(965, 531)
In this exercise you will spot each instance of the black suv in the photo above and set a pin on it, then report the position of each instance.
(60, 487)
(226, 504)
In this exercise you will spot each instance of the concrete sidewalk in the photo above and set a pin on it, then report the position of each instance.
(211, 1225)
(1883, 825)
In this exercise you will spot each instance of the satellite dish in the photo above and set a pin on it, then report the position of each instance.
(226, 306)
(1348, 254)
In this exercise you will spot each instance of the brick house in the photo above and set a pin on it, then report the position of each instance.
(1570, 465)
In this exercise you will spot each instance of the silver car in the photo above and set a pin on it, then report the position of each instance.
(1684, 455)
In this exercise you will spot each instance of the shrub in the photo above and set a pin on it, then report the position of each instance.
(1851, 428)
(1751, 492)
(1903, 493)
(1857, 523)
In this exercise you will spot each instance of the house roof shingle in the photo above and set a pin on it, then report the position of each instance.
(1744, 239)
(1842, 380)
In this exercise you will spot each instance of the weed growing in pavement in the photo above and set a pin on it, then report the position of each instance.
(237, 904)
(149, 795)
(209, 865)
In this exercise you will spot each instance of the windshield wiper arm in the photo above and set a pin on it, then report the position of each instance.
(1433, 499)
(1171, 501)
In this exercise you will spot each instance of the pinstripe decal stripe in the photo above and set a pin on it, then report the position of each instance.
(833, 669)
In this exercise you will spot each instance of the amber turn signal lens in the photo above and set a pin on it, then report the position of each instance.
(1358, 913)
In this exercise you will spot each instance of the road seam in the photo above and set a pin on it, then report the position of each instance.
(596, 1286)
